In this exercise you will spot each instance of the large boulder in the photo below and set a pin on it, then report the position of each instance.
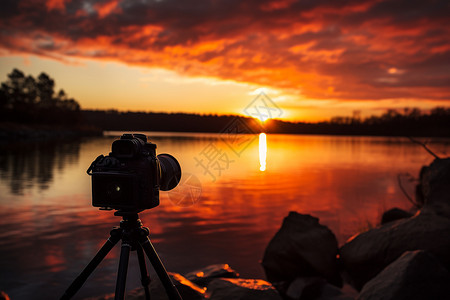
(314, 288)
(205, 275)
(364, 256)
(434, 187)
(241, 289)
(416, 275)
(301, 248)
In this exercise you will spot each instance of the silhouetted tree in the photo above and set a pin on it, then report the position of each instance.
(45, 86)
(27, 100)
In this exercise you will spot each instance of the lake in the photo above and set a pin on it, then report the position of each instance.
(234, 194)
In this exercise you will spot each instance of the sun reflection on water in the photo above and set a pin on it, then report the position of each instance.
(262, 151)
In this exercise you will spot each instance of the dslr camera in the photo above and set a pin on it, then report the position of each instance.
(130, 177)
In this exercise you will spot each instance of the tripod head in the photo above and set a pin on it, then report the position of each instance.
(127, 215)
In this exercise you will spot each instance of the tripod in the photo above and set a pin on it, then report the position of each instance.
(133, 236)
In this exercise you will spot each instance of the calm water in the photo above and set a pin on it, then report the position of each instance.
(225, 211)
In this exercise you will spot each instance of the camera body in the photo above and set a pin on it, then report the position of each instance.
(131, 176)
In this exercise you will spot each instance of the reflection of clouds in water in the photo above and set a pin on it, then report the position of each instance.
(49, 237)
(188, 191)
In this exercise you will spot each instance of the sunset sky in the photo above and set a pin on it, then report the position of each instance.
(315, 59)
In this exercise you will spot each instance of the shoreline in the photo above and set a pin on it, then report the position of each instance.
(36, 132)
(10, 131)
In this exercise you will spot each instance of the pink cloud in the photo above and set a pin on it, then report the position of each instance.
(55, 5)
(106, 8)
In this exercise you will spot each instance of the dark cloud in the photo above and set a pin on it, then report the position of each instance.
(371, 49)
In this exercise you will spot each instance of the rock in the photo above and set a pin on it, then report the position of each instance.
(187, 289)
(331, 292)
(203, 276)
(365, 255)
(314, 288)
(434, 187)
(301, 248)
(415, 275)
(241, 289)
(394, 214)
(305, 288)
(435, 181)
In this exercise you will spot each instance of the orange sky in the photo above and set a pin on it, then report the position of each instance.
(314, 59)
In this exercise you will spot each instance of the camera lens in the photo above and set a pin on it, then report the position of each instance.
(170, 172)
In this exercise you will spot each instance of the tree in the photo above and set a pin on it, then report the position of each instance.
(27, 100)
(45, 89)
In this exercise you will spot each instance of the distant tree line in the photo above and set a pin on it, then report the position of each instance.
(406, 122)
(409, 122)
(29, 100)
(176, 122)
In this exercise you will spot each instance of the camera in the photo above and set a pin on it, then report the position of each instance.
(131, 176)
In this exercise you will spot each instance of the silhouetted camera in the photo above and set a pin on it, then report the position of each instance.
(130, 177)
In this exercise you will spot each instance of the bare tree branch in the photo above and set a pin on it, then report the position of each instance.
(424, 146)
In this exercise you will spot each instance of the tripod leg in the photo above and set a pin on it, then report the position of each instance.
(81, 279)
(145, 278)
(123, 268)
(170, 288)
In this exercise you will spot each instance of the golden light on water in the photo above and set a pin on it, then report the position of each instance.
(262, 151)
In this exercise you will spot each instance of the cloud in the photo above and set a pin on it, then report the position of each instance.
(321, 49)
